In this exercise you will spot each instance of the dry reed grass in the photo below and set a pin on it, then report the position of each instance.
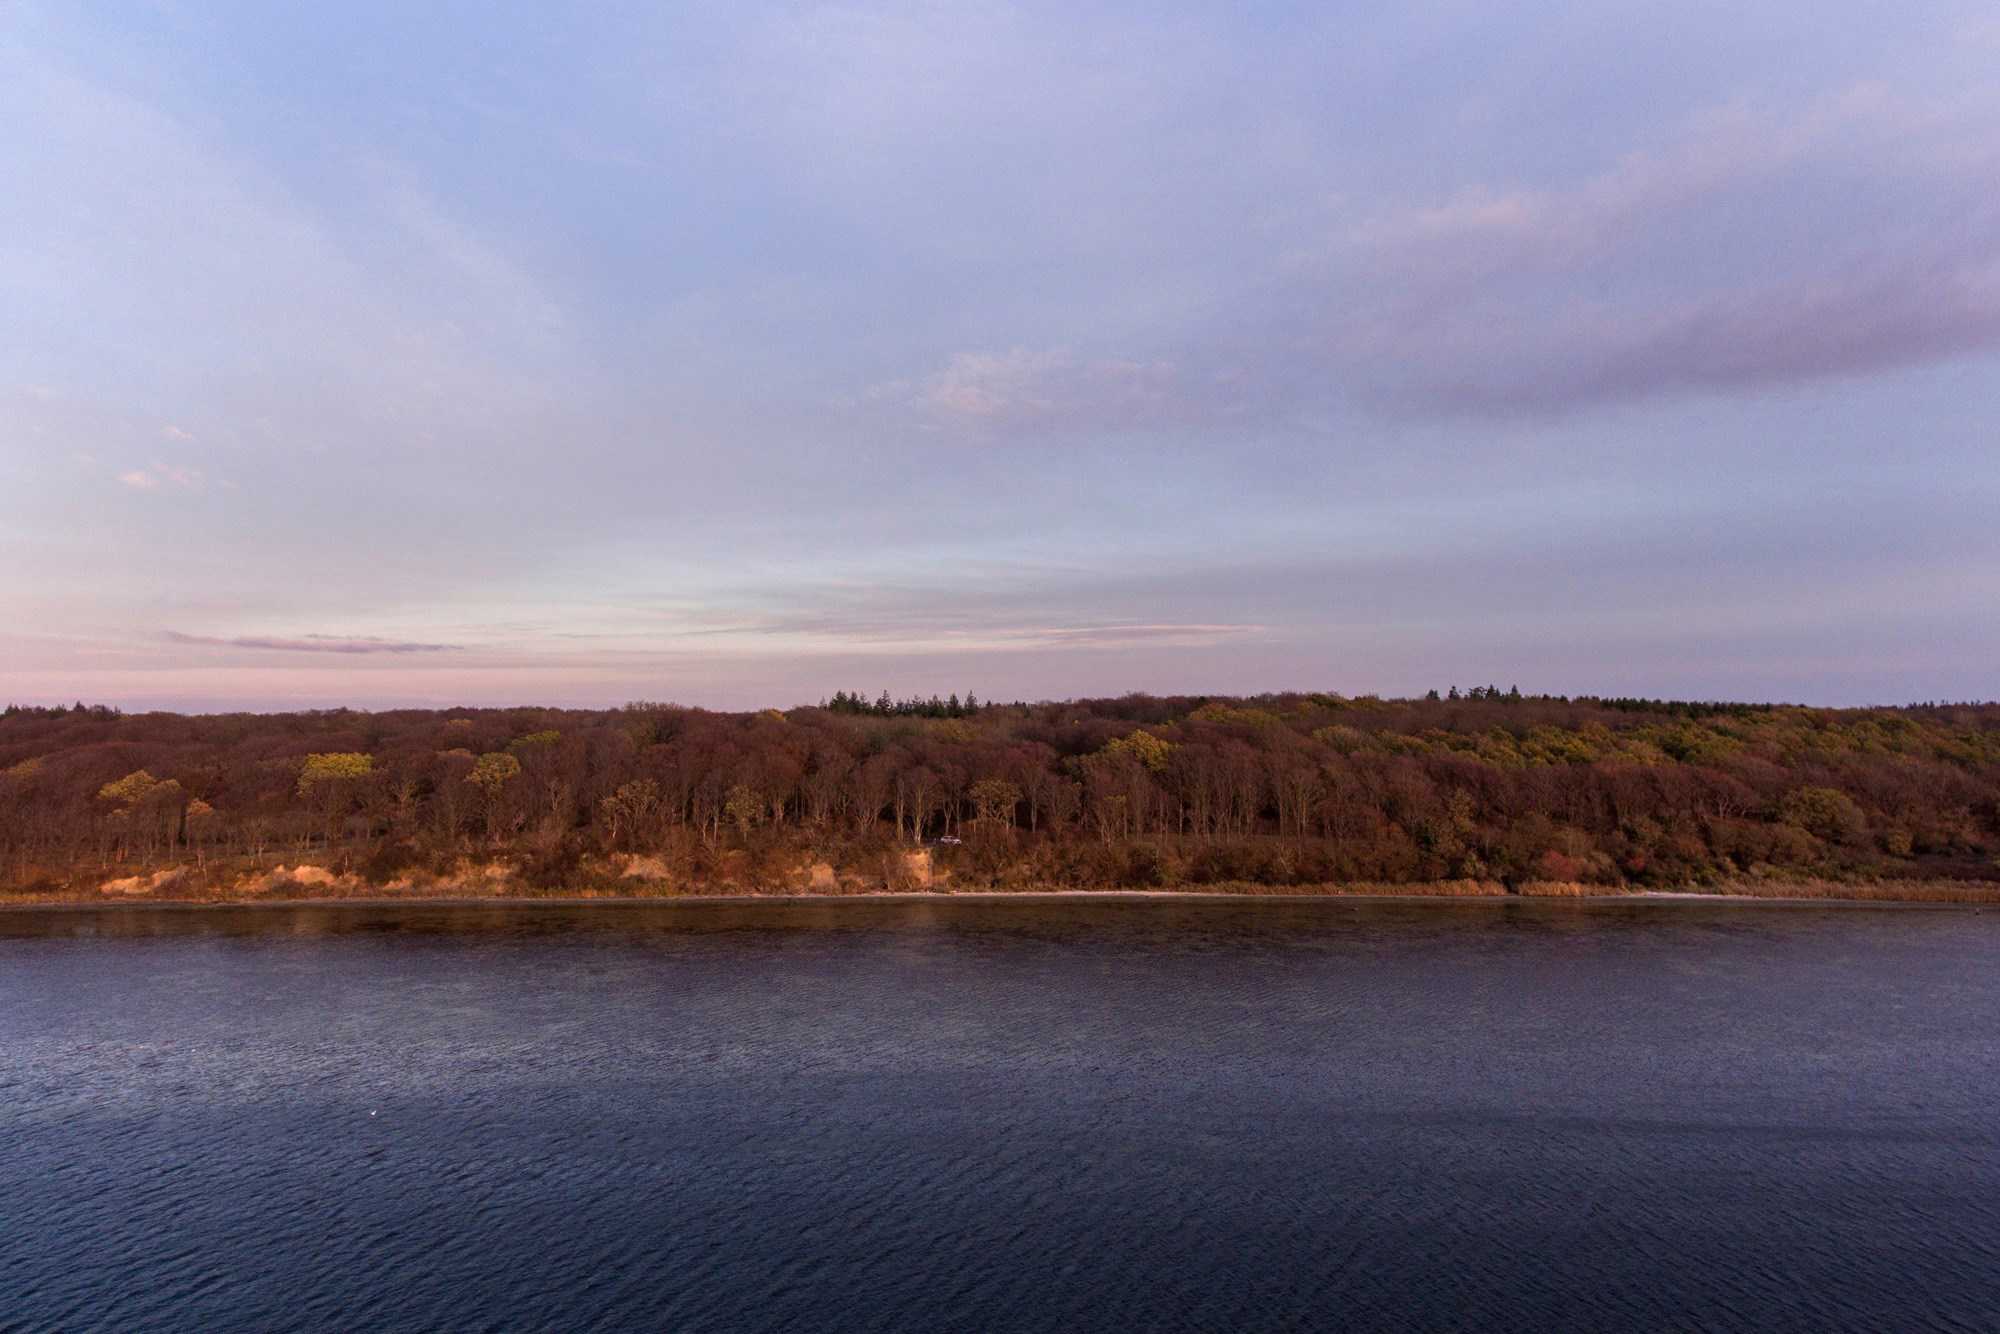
(268, 887)
(1880, 891)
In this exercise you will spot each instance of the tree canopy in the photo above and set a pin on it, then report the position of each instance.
(1286, 789)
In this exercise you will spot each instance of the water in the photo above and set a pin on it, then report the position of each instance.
(990, 1116)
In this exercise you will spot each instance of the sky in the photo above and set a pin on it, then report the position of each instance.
(380, 354)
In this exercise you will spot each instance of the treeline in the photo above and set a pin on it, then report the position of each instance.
(852, 704)
(79, 709)
(1280, 790)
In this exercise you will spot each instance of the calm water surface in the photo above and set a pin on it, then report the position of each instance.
(994, 1116)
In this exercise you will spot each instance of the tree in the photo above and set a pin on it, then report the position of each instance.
(334, 767)
(1032, 767)
(1823, 812)
(825, 786)
(995, 799)
(744, 806)
(916, 796)
(1297, 784)
(198, 821)
(150, 808)
(130, 790)
(1143, 748)
(628, 812)
(869, 788)
(1108, 782)
(329, 781)
(491, 773)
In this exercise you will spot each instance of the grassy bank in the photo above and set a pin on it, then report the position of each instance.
(313, 889)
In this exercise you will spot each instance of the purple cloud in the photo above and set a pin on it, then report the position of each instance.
(313, 643)
(1848, 324)
(1708, 262)
(1547, 300)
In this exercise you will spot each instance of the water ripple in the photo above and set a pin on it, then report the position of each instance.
(992, 1117)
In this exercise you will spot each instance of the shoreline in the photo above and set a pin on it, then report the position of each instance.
(1662, 898)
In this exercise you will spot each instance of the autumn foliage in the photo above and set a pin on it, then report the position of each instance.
(1531, 794)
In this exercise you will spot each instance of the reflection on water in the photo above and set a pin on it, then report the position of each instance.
(1028, 1113)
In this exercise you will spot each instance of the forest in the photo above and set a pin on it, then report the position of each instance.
(1281, 793)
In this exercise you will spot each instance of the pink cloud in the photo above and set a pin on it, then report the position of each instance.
(162, 474)
(313, 643)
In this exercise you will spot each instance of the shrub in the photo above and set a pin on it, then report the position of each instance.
(1823, 812)
(390, 860)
